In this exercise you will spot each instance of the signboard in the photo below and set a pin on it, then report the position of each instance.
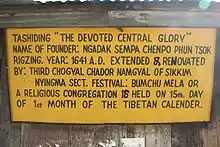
(110, 75)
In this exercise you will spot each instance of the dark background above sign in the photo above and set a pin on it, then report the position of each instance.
(120, 4)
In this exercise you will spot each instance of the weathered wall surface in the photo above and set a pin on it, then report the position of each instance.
(161, 135)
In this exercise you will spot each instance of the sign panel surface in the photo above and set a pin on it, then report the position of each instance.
(110, 75)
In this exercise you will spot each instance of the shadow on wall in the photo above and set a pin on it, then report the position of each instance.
(2, 139)
(49, 145)
(1, 49)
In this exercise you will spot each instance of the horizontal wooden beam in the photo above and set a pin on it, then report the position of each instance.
(112, 18)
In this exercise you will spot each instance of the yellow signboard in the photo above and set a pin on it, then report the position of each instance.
(110, 75)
